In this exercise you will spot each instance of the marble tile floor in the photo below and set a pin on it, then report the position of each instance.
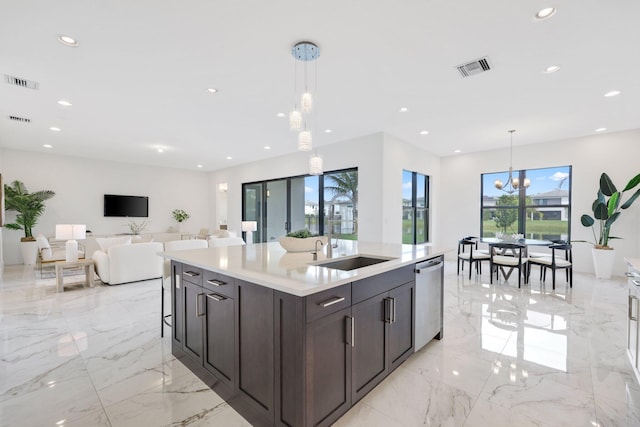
(510, 357)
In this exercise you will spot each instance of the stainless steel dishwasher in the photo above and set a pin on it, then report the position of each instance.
(429, 292)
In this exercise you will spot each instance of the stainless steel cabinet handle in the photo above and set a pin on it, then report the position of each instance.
(635, 282)
(393, 310)
(191, 273)
(331, 301)
(631, 298)
(198, 298)
(177, 281)
(215, 282)
(216, 297)
(351, 330)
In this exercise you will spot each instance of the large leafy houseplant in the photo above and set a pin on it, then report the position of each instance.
(607, 208)
(29, 206)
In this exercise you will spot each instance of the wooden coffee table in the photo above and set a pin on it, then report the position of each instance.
(61, 265)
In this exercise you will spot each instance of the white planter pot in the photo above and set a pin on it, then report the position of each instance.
(308, 244)
(603, 262)
(29, 252)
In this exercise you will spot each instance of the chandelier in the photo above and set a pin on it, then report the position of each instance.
(513, 183)
(304, 53)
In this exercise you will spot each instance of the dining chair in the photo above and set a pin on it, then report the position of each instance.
(468, 252)
(508, 255)
(556, 262)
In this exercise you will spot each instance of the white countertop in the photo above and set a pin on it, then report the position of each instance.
(269, 265)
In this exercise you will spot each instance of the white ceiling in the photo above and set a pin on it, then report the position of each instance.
(138, 77)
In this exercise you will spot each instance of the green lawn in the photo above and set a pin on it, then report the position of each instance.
(535, 229)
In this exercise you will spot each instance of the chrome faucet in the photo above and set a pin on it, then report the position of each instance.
(315, 253)
(330, 223)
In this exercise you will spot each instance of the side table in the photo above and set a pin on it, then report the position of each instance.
(61, 265)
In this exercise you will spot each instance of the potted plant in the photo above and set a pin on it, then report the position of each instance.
(606, 210)
(29, 206)
(301, 241)
(180, 216)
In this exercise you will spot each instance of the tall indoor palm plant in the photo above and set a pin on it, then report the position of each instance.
(29, 206)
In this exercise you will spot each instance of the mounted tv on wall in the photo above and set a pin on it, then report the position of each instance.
(126, 206)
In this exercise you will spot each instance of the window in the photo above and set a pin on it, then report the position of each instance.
(540, 211)
(312, 202)
(415, 208)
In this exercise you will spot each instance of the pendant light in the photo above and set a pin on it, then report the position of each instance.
(305, 52)
(315, 165)
(513, 183)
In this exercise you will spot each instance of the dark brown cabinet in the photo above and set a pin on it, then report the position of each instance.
(194, 312)
(177, 312)
(219, 336)
(284, 360)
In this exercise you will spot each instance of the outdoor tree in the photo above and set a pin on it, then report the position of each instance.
(504, 218)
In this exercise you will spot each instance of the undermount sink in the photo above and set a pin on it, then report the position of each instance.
(352, 263)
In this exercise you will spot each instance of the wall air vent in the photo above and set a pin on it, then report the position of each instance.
(17, 81)
(20, 119)
(474, 67)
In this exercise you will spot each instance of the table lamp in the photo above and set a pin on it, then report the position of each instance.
(70, 232)
(249, 227)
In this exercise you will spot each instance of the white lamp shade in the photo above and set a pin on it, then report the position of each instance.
(295, 120)
(315, 165)
(306, 102)
(71, 231)
(304, 141)
(249, 226)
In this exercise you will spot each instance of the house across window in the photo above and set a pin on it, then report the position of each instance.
(540, 209)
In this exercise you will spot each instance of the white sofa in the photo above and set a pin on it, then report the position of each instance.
(224, 238)
(129, 262)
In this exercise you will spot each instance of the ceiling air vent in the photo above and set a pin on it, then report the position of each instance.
(20, 119)
(17, 81)
(474, 67)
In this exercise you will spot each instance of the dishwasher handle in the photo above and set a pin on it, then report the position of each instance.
(428, 267)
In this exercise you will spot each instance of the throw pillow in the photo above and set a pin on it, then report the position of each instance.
(106, 242)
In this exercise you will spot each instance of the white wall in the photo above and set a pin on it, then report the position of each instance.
(80, 184)
(3, 213)
(613, 153)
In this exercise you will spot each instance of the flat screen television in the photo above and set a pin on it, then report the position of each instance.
(126, 206)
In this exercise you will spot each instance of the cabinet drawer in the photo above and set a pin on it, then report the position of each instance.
(369, 287)
(218, 283)
(192, 274)
(327, 302)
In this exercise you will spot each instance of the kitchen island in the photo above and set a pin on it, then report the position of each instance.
(287, 341)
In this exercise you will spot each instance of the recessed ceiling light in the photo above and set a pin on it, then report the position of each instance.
(266, 147)
(545, 13)
(404, 109)
(199, 166)
(67, 40)
(160, 150)
(457, 151)
(601, 129)
(551, 69)
(55, 129)
(47, 146)
(65, 103)
(328, 131)
(424, 132)
(612, 93)
(281, 115)
(229, 158)
(212, 90)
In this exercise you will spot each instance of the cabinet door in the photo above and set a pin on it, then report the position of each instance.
(328, 367)
(193, 318)
(401, 336)
(369, 351)
(255, 338)
(177, 312)
(219, 337)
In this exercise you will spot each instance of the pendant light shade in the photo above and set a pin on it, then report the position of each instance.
(315, 165)
(304, 140)
(306, 102)
(513, 182)
(295, 120)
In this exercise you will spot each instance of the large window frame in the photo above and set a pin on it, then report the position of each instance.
(260, 211)
(415, 208)
(525, 206)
